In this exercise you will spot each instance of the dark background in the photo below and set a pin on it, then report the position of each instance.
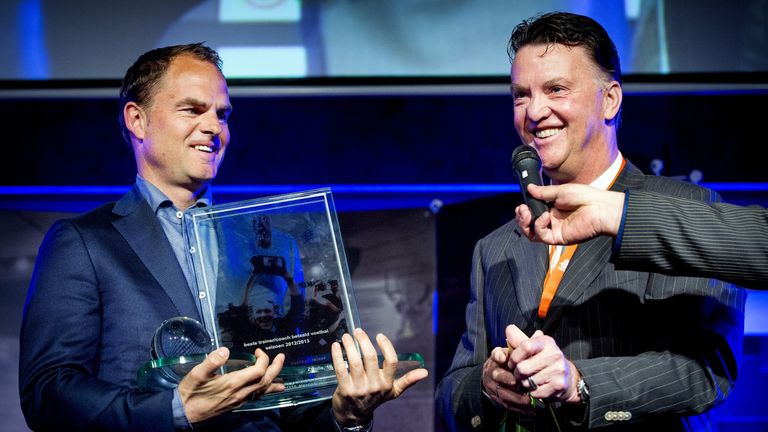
(393, 139)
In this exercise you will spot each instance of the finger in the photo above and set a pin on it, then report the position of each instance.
(356, 369)
(337, 356)
(523, 214)
(265, 381)
(514, 401)
(554, 381)
(500, 355)
(412, 377)
(274, 369)
(390, 356)
(369, 355)
(275, 388)
(208, 368)
(523, 354)
(544, 193)
(504, 377)
(515, 336)
(542, 227)
(262, 359)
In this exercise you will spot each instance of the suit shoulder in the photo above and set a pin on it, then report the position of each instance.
(90, 219)
(501, 233)
(678, 188)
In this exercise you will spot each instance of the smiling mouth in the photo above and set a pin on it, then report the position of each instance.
(204, 148)
(546, 133)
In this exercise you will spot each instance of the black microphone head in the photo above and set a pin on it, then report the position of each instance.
(524, 151)
(527, 166)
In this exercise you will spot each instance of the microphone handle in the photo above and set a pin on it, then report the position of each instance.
(537, 206)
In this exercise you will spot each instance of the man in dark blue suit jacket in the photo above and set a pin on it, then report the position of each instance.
(105, 280)
(611, 349)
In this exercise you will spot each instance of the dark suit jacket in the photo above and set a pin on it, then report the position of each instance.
(653, 347)
(103, 283)
(669, 234)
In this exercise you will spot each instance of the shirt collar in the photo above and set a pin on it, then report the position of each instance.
(606, 178)
(157, 199)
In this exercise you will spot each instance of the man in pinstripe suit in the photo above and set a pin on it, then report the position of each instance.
(560, 338)
(655, 232)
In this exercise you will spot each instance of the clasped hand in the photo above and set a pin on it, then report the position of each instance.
(528, 368)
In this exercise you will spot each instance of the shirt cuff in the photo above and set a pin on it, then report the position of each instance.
(180, 422)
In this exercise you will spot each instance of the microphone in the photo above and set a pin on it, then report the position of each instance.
(527, 166)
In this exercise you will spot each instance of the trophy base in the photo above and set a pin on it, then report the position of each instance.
(303, 384)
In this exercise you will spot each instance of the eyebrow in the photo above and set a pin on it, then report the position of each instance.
(515, 87)
(557, 80)
(198, 103)
(548, 83)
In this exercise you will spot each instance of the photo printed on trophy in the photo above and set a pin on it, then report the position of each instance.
(273, 276)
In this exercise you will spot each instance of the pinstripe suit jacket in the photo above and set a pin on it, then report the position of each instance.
(669, 234)
(663, 349)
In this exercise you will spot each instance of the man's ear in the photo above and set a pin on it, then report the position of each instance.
(612, 97)
(135, 119)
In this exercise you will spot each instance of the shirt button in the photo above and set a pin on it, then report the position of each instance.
(201, 295)
(179, 214)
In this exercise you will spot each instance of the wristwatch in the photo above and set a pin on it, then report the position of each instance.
(358, 428)
(583, 390)
(367, 427)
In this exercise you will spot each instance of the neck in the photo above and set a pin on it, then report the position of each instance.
(183, 198)
(590, 171)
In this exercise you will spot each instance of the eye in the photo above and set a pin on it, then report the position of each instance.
(557, 89)
(519, 97)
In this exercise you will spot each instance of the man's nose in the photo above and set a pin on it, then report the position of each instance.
(538, 108)
(211, 123)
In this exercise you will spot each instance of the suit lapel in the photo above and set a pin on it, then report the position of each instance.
(527, 264)
(590, 258)
(140, 228)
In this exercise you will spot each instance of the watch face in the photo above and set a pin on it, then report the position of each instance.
(583, 390)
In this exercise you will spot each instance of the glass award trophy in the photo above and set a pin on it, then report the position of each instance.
(271, 273)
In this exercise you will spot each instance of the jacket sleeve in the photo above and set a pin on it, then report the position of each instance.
(60, 339)
(459, 399)
(670, 234)
(692, 365)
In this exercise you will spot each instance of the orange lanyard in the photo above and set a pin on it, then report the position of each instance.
(554, 276)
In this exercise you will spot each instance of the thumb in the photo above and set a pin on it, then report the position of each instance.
(515, 336)
(212, 363)
(204, 371)
(401, 384)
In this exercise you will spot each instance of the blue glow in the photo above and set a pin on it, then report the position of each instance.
(276, 189)
(737, 187)
(434, 312)
(415, 188)
(34, 57)
(756, 313)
